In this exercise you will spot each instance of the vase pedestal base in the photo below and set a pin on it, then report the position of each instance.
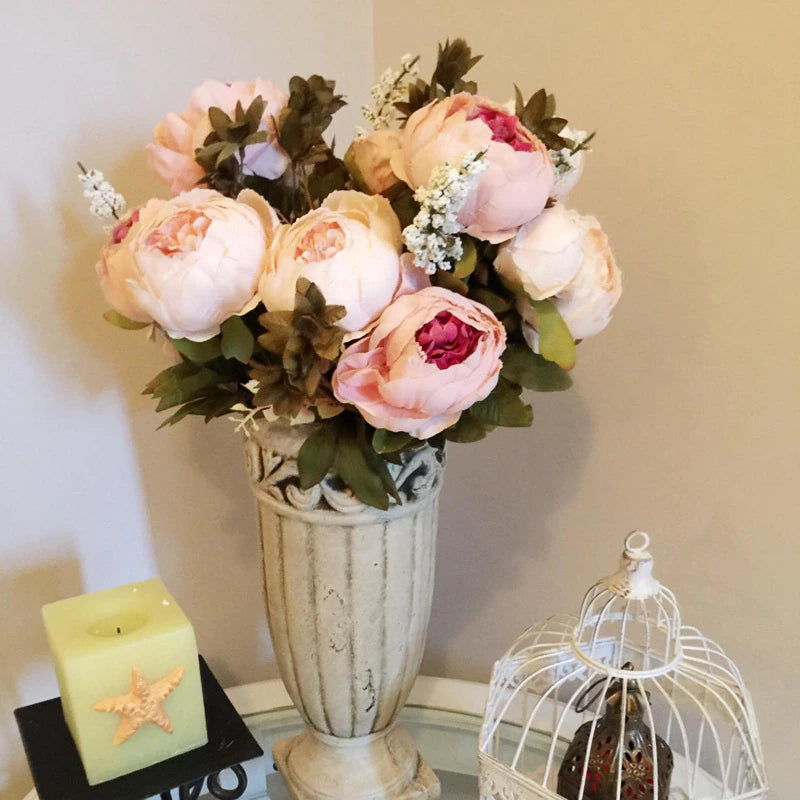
(383, 766)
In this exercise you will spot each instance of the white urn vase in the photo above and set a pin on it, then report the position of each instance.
(348, 592)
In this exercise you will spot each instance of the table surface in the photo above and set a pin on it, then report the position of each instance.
(447, 740)
(443, 715)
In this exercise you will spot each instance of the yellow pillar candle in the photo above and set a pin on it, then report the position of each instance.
(127, 667)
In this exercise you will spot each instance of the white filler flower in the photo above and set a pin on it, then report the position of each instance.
(104, 201)
(389, 90)
(433, 235)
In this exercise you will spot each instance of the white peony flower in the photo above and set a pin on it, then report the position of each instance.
(587, 301)
(188, 263)
(545, 255)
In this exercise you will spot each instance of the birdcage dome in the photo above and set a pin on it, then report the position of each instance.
(622, 701)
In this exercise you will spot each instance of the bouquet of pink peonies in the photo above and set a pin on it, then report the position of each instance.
(403, 294)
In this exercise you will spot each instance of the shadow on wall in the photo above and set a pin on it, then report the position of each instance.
(199, 507)
(28, 658)
(515, 481)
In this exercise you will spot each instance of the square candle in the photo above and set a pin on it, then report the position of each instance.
(127, 667)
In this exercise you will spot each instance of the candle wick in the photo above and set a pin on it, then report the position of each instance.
(119, 630)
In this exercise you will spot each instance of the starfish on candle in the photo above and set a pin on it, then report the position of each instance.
(142, 704)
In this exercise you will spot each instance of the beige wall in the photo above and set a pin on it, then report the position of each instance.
(91, 495)
(684, 417)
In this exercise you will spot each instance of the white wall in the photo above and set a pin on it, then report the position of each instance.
(684, 415)
(92, 495)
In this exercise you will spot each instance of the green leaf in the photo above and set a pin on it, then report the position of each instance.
(230, 149)
(182, 412)
(453, 63)
(521, 365)
(446, 280)
(403, 204)
(198, 352)
(390, 442)
(467, 429)
(503, 407)
(536, 105)
(316, 456)
(255, 112)
(493, 301)
(466, 264)
(379, 466)
(219, 120)
(237, 340)
(555, 340)
(353, 468)
(115, 318)
(183, 388)
(519, 101)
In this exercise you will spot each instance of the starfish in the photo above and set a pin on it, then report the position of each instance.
(142, 704)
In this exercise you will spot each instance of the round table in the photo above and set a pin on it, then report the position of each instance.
(443, 715)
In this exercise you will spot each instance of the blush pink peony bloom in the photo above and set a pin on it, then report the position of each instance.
(520, 176)
(350, 248)
(431, 356)
(369, 160)
(177, 136)
(188, 263)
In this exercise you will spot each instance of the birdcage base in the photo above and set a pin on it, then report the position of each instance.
(384, 766)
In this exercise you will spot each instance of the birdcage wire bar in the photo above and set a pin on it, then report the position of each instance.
(696, 700)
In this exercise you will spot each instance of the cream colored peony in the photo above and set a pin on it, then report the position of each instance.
(350, 248)
(545, 255)
(368, 159)
(587, 301)
(188, 263)
(178, 136)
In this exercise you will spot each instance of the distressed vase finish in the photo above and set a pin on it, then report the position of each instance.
(348, 590)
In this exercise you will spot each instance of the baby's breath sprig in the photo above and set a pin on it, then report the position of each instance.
(389, 90)
(433, 235)
(104, 201)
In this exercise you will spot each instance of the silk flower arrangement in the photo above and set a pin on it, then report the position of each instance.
(405, 293)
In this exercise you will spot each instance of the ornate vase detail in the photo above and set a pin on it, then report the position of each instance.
(348, 591)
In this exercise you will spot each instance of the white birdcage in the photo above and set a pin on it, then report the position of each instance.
(627, 644)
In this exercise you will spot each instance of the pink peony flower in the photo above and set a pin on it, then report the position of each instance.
(177, 136)
(431, 356)
(188, 263)
(519, 179)
(350, 248)
(369, 160)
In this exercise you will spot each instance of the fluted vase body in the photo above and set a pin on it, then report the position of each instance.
(348, 593)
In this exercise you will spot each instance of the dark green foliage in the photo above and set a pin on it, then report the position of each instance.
(222, 153)
(300, 348)
(453, 62)
(312, 104)
(503, 407)
(343, 446)
(538, 115)
(208, 390)
(532, 371)
(314, 171)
